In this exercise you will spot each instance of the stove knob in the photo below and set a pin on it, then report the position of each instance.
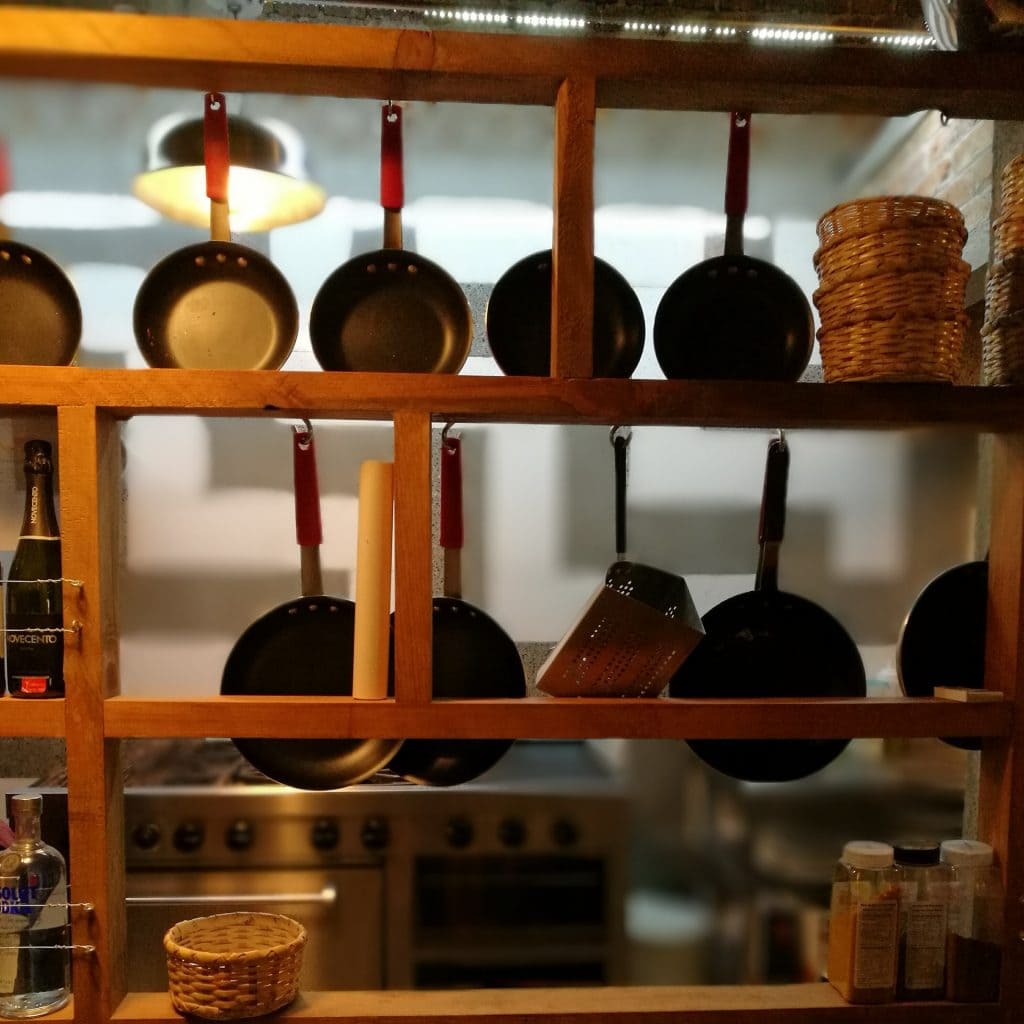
(239, 835)
(459, 833)
(146, 836)
(375, 833)
(325, 835)
(512, 832)
(188, 837)
(564, 832)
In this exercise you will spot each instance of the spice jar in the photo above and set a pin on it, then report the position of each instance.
(925, 886)
(864, 923)
(974, 953)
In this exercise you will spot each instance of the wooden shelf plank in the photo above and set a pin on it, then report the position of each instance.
(550, 718)
(31, 717)
(337, 60)
(798, 1004)
(513, 399)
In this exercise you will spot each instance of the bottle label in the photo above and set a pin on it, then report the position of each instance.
(13, 921)
(874, 957)
(33, 684)
(926, 945)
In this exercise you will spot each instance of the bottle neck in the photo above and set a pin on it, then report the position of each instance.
(40, 519)
(27, 827)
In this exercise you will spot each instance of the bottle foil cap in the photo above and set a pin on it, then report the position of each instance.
(867, 854)
(967, 853)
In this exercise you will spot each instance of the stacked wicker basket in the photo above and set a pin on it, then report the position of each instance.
(1003, 332)
(891, 289)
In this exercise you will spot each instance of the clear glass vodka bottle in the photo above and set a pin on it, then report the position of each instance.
(34, 962)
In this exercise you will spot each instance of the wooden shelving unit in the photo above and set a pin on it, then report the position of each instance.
(574, 76)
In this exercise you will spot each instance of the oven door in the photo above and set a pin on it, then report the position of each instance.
(342, 910)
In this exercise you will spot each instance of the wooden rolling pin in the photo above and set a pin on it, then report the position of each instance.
(373, 581)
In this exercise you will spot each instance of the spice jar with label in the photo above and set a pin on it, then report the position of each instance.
(974, 952)
(925, 886)
(864, 923)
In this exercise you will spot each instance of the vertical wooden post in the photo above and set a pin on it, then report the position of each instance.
(89, 451)
(572, 286)
(413, 568)
(1001, 781)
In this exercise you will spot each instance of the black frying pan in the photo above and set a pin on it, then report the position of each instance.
(734, 316)
(391, 310)
(40, 316)
(769, 643)
(942, 642)
(304, 647)
(217, 305)
(518, 320)
(472, 655)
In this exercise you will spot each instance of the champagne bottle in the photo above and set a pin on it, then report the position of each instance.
(35, 614)
(34, 963)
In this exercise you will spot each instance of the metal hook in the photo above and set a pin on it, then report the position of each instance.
(304, 433)
(620, 432)
(391, 115)
(944, 118)
(445, 430)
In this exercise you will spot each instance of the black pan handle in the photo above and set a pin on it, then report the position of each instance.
(392, 180)
(772, 526)
(451, 532)
(737, 174)
(308, 527)
(620, 438)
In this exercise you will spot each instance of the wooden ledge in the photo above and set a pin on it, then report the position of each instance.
(31, 718)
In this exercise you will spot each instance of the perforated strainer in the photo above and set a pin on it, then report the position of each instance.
(637, 628)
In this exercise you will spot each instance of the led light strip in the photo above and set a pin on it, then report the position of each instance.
(791, 35)
(903, 40)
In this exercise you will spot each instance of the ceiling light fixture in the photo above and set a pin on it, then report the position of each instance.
(268, 184)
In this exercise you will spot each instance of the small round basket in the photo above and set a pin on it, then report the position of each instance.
(877, 214)
(231, 966)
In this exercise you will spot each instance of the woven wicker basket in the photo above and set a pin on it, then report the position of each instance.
(1013, 187)
(876, 214)
(938, 295)
(1002, 352)
(900, 349)
(230, 966)
(1004, 290)
(862, 256)
(1007, 237)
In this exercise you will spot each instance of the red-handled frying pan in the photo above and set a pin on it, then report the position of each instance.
(40, 315)
(304, 647)
(472, 655)
(391, 310)
(734, 316)
(217, 305)
(769, 643)
(518, 320)
(942, 642)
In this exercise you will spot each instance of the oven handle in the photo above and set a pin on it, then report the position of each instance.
(327, 896)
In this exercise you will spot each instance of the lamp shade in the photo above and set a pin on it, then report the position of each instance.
(268, 184)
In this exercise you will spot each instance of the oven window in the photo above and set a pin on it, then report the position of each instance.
(521, 892)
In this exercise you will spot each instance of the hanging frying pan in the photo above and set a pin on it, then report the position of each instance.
(304, 647)
(391, 310)
(942, 642)
(518, 320)
(472, 655)
(769, 643)
(734, 316)
(40, 316)
(217, 305)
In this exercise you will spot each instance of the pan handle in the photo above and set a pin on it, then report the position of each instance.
(620, 438)
(5, 180)
(216, 157)
(737, 175)
(773, 514)
(308, 527)
(392, 183)
(451, 514)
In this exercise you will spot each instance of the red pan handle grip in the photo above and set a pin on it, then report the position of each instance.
(392, 186)
(737, 171)
(215, 146)
(451, 493)
(308, 528)
(773, 499)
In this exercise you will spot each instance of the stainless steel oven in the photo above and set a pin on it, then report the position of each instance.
(516, 879)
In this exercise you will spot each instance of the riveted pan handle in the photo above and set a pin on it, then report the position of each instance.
(392, 180)
(451, 514)
(773, 514)
(308, 526)
(737, 175)
(217, 159)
